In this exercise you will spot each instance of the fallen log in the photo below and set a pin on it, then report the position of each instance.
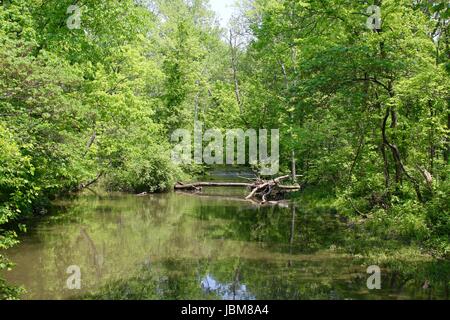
(287, 188)
(180, 186)
(261, 189)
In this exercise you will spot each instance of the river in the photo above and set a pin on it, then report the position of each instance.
(210, 246)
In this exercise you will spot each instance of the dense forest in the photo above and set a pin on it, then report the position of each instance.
(91, 94)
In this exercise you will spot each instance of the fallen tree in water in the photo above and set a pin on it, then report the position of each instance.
(263, 190)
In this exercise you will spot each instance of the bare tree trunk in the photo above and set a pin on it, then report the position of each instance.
(233, 53)
(90, 142)
(293, 160)
(294, 168)
(196, 103)
(431, 139)
(399, 166)
(387, 178)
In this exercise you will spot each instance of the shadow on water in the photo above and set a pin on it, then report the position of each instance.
(176, 246)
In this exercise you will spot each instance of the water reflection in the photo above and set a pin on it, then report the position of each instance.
(227, 291)
(176, 246)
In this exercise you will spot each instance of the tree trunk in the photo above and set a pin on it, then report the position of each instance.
(233, 54)
(399, 166)
(294, 168)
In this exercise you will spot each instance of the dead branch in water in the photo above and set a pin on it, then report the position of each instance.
(260, 189)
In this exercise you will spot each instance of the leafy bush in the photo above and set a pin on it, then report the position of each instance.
(16, 195)
(148, 168)
(438, 220)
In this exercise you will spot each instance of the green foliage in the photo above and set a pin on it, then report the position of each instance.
(147, 168)
(365, 112)
(438, 221)
(362, 112)
(77, 105)
(16, 195)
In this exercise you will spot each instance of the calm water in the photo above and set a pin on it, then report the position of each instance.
(177, 246)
